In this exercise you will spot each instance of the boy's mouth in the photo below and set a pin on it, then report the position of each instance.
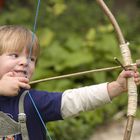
(20, 73)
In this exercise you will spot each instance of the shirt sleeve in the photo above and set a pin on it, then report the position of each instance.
(48, 104)
(83, 99)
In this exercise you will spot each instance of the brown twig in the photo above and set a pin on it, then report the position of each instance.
(81, 73)
(74, 74)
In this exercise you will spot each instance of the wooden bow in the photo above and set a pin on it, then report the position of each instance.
(132, 88)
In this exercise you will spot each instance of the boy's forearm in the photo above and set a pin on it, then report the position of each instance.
(114, 89)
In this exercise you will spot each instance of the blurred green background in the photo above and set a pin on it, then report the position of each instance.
(75, 36)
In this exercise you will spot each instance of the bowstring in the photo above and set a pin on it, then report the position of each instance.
(28, 61)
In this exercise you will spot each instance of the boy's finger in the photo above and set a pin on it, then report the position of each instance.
(128, 74)
(9, 74)
(24, 85)
(23, 79)
(136, 75)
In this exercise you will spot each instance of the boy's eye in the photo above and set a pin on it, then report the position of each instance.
(33, 59)
(14, 55)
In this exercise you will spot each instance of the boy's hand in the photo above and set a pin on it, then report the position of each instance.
(10, 85)
(122, 79)
(120, 85)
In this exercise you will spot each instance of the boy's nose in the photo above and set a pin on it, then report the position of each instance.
(23, 61)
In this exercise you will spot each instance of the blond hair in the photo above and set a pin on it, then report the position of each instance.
(16, 38)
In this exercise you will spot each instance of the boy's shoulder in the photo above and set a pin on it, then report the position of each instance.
(35, 92)
(45, 96)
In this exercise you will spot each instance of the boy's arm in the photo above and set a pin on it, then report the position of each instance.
(87, 98)
(83, 99)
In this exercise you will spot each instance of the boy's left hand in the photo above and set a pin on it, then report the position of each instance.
(119, 86)
(122, 78)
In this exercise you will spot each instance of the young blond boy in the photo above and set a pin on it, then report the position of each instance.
(16, 69)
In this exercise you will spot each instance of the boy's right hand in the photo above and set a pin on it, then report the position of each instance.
(10, 85)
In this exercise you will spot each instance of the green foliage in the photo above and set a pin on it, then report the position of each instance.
(78, 127)
(75, 36)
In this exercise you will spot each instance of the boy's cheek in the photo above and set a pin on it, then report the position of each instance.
(31, 75)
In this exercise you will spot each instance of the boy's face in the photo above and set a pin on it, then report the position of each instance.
(17, 62)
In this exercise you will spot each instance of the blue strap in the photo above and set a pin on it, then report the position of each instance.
(28, 61)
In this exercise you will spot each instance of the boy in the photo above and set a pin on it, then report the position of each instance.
(16, 69)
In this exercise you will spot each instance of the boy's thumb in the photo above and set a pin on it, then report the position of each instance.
(10, 74)
(129, 74)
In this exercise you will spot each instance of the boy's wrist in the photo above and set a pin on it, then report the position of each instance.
(114, 89)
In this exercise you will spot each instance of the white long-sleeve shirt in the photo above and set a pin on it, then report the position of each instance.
(83, 99)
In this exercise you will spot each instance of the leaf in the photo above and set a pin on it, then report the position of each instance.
(78, 58)
(74, 42)
(100, 77)
(91, 34)
(59, 8)
(46, 36)
(105, 28)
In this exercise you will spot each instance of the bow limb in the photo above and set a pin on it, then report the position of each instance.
(126, 54)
